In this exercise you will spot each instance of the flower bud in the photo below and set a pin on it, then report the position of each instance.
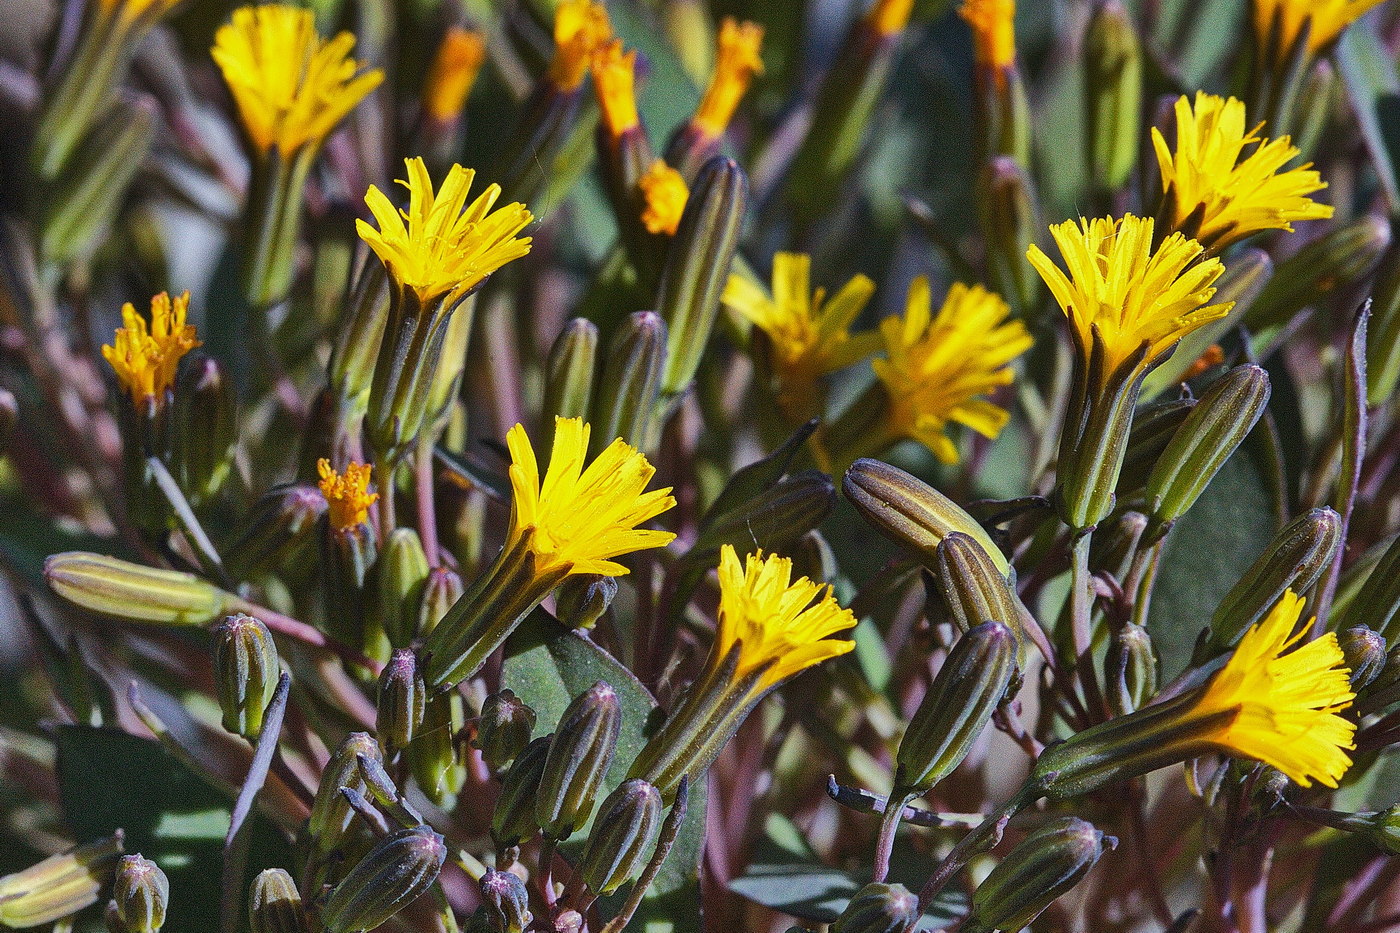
(140, 892)
(114, 587)
(330, 813)
(1010, 218)
(392, 875)
(623, 835)
(280, 524)
(402, 573)
(1385, 830)
(274, 904)
(246, 669)
(1377, 604)
(433, 755)
(1340, 258)
(972, 586)
(1364, 654)
(1294, 559)
(879, 908)
(579, 757)
(1112, 58)
(504, 729)
(59, 886)
(205, 430)
(772, 519)
(514, 817)
(568, 385)
(1116, 542)
(581, 599)
(1130, 669)
(347, 558)
(442, 588)
(401, 699)
(1046, 864)
(1153, 428)
(507, 901)
(958, 705)
(351, 368)
(625, 404)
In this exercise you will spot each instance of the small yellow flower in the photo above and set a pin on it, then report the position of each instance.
(1327, 19)
(146, 358)
(888, 17)
(614, 79)
(583, 516)
(1127, 293)
(736, 62)
(453, 72)
(435, 247)
(347, 494)
(665, 194)
(939, 368)
(291, 86)
(1218, 194)
(993, 25)
(580, 28)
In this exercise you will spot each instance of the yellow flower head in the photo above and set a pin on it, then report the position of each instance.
(1327, 19)
(939, 369)
(436, 247)
(583, 516)
(1220, 195)
(1131, 295)
(347, 494)
(781, 625)
(146, 357)
(580, 28)
(736, 62)
(665, 194)
(1280, 708)
(614, 78)
(291, 86)
(888, 17)
(130, 11)
(993, 25)
(453, 72)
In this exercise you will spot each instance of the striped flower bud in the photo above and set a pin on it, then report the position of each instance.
(347, 557)
(402, 574)
(568, 384)
(113, 587)
(274, 904)
(623, 835)
(582, 599)
(1377, 604)
(442, 588)
(1364, 653)
(579, 757)
(140, 892)
(504, 729)
(59, 886)
(507, 901)
(204, 430)
(281, 523)
(1112, 58)
(1153, 428)
(1010, 219)
(330, 813)
(514, 817)
(246, 668)
(879, 908)
(625, 403)
(1115, 543)
(391, 876)
(773, 519)
(401, 700)
(437, 767)
(1344, 256)
(972, 586)
(1130, 669)
(1046, 864)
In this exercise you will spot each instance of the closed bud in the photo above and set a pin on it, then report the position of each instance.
(59, 886)
(347, 557)
(879, 908)
(772, 520)
(625, 404)
(437, 766)
(452, 366)
(441, 589)
(1364, 654)
(623, 835)
(1046, 864)
(504, 729)
(1340, 258)
(1377, 604)
(514, 817)
(402, 573)
(579, 758)
(1112, 60)
(1384, 830)
(972, 586)
(1153, 428)
(401, 699)
(357, 345)
(113, 587)
(205, 430)
(1010, 218)
(581, 599)
(568, 386)
(280, 525)
(246, 669)
(140, 892)
(507, 901)
(1294, 559)
(1115, 543)
(330, 813)
(1130, 669)
(274, 904)
(391, 876)
(1383, 686)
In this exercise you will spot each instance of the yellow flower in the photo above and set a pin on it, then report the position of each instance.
(580, 27)
(146, 358)
(888, 17)
(583, 516)
(1219, 195)
(665, 194)
(781, 625)
(291, 86)
(130, 11)
(939, 368)
(347, 494)
(453, 72)
(435, 247)
(1127, 293)
(993, 25)
(736, 62)
(614, 79)
(1326, 17)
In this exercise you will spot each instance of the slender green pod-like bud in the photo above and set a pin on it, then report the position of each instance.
(568, 385)
(1340, 258)
(1365, 654)
(582, 599)
(392, 875)
(274, 904)
(140, 893)
(579, 757)
(330, 814)
(204, 430)
(879, 908)
(357, 345)
(504, 729)
(246, 668)
(1153, 428)
(59, 886)
(514, 818)
(437, 766)
(402, 574)
(441, 589)
(402, 696)
(1377, 603)
(113, 587)
(1130, 669)
(625, 403)
(281, 523)
(1112, 58)
(972, 586)
(623, 836)
(1045, 865)
(1010, 217)
(347, 559)
(507, 901)
(772, 519)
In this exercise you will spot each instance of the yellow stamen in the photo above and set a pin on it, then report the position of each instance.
(614, 79)
(736, 62)
(146, 358)
(453, 72)
(347, 494)
(580, 28)
(666, 194)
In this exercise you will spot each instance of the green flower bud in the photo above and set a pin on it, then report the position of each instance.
(581, 599)
(114, 587)
(280, 525)
(1317, 100)
(402, 695)
(441, 590)
(1383, 685)
(772, 519)
(437, 766)
(1010, 218)
(625, 404)
(1130, 669)
(514, 817)
(1112, 58)
(1046, 864)
(1377, 604)
(1385, 830)
(140, 892)
(507, 901)
(205, 430)
(59, 886)
(879, 908)
(1364, 651)
(452, 366)
(579, 758)
(1115, 543)
(623, 835)
(330, 813)
(568, 384)
(972, 586)
(402, 574)
(1094, 437)
(271, 224)
(912, 513)
(274, 904)
(347, 558)
(504, 729)
(357, 345)
(246, 669)
(1342, 257)
(758, 477)
(391, 876)
(1153, 428)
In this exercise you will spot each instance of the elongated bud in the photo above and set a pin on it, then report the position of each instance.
(1342, 257)
(436, 764)
(357, 345)
(1112, 59)
(514, 817)
(879, 908)
(1010, 216)
(1364, 651)
(1153, 428)
(390, 877)
(205, 430)
(504, 729)
(959, 703)
(59, 886)
(582, 599)
(1130, 669)
(1210, 434)
(347, 558)
(1377, 604)
(1115, 544)
(140, 892)
(402, 574)
(973, 587)
(442, 588)
(330, 813)
(1294, 559)
(772, 520)
(274, 904)
(1046, 864)
(114, 587)
(568, 386)
(912, 513)
(507, 901)
(401, 699)
(625, 403)
(246, 668)
(579, 757)
(623, 836)
(697, 267)
(281, 523)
